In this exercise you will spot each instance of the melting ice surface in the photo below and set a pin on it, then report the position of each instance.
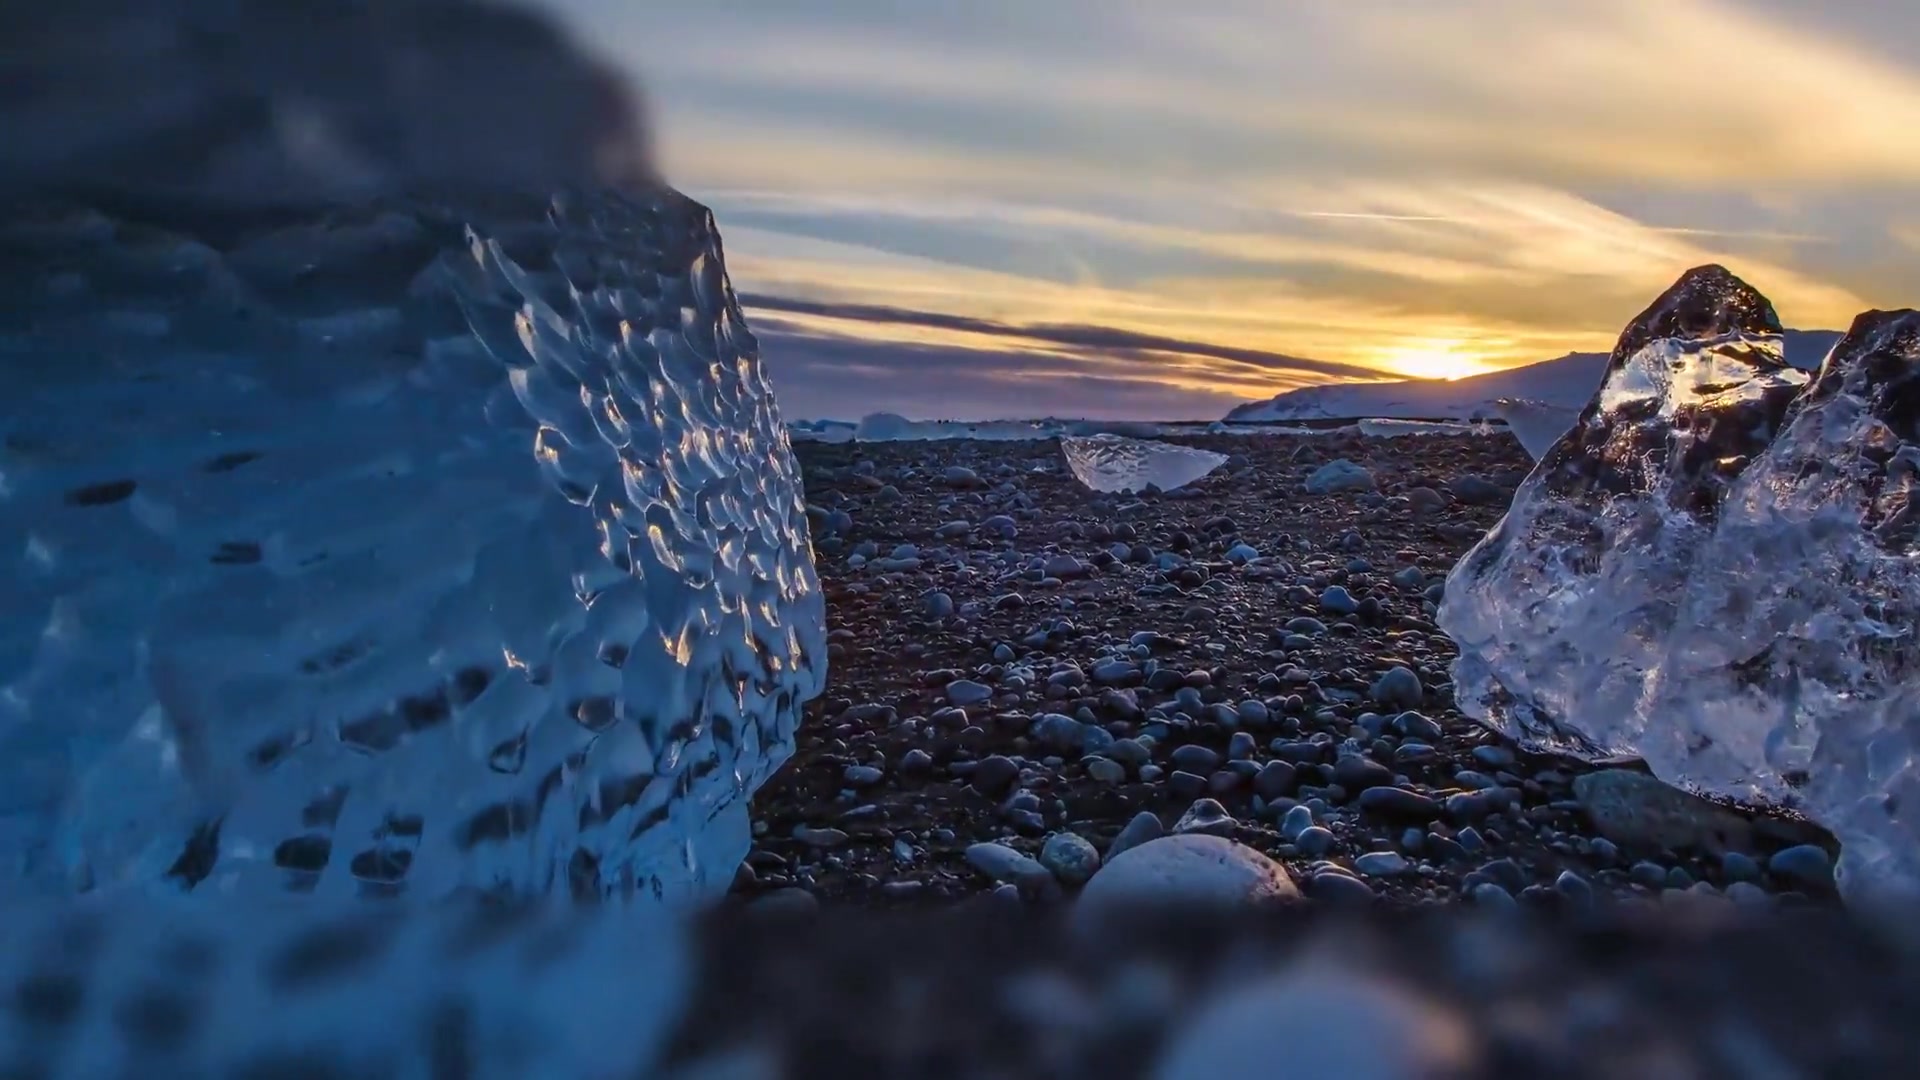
(1114, 463)
(405, 536)
(1714, 570)
(1796, 674)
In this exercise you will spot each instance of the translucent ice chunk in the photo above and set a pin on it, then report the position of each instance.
(1794, 670)
(1537, 424)
(1114, 463)
(1561, 612)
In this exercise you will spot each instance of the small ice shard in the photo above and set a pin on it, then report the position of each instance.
(1793, 674)
(1114, 463)
(1537, 424)
(1563, 609)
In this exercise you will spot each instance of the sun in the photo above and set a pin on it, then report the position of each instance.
(1429, 360)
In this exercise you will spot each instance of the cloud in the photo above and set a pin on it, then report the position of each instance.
(818, 377)
(1496, 256)
(1387, 186)
(1679, 91)
(1082, 338)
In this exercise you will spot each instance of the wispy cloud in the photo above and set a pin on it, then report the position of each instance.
(1382, 186)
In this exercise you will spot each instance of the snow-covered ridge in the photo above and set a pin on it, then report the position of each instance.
(1567, 382)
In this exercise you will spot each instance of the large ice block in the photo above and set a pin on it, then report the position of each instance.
(391, 495)
(1794, 671)
(1562, 610)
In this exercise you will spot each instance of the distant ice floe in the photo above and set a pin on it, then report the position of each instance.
(1114, 463)
(1388, 428)
(888, 427)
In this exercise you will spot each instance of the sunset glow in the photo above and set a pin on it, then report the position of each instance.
(1383, 189)
(1431, 362)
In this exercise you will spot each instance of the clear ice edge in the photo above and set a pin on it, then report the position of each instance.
(1715, 570)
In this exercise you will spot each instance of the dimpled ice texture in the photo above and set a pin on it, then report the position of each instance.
(374, 529)
(1114, 463)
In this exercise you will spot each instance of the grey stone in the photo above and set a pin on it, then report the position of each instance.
(1191, 870)
(1649, 874)
(1145, 826)
(1297, 820)
(1337, 888)
(1636, 810)
(1739, 866)
(1493, 756)
(994, 775)
(1242, 746)
(1275, 779)
(1358, 773)
(1493, 897)
(965, 692)
(1065, 567)
(819, 838)
(1577, 891)
(1399, 688)
(1185, 785)
(1338, 476)
(1400, 803)
(1506, 873)
(1070, 857)
(1194, 759)
(785, 902)
(1060, 732)
(1206, 816)
(1002, 863)
(1803, 864)
(1337, 600)
(1129, 752)
(1382, 864)
(1477, 490)
(862, 775)
(1314, 841)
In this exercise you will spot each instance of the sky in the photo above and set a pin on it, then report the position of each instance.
(1161, 208)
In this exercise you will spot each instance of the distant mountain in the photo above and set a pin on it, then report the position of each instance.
(1567, 382)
